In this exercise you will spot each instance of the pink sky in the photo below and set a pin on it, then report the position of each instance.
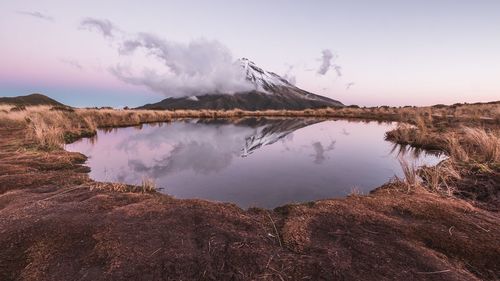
(396, 53)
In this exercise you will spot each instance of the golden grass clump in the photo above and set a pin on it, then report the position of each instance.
(47, 135)
(5, 108)
(45, 125)
(418, 136)
(438, 178)
(117, 187)
(485, 145)
(119, 118)
(403, 134)
(148, 185)
(453, 147)
(473, 144)
(410, 172)
(11, 117)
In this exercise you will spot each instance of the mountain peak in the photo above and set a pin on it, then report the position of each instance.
(271, 92)
(263, 80)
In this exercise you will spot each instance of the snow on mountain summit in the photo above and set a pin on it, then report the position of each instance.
(271, 83)
(263, 80)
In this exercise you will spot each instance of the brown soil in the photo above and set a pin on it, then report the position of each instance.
(53, 226)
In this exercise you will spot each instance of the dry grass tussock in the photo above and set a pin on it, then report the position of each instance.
(410, 172)
(440, 178)
(5, 108)
(47, 135)
(46, 127)
(472, 147)
(484, 144)
(147, 186)
(462, 144)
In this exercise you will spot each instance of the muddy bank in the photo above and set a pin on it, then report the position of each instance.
(55, 225)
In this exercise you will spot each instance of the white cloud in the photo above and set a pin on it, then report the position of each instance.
(173, 69)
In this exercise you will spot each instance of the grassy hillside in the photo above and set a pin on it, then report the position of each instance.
(33, 99)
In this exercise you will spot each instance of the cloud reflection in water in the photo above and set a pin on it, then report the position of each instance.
(251, 162)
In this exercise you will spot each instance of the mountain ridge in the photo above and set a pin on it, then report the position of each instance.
(31, 99)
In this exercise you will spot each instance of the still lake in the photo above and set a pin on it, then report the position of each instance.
(263, 162)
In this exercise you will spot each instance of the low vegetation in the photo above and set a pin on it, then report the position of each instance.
(48, 123)
(57, 224)
(472, 168)
(468, 133)
(147, 186)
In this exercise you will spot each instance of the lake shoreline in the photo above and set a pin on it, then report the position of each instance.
(252, 162)
(52, 213)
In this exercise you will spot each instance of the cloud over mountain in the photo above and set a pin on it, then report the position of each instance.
(175, 69)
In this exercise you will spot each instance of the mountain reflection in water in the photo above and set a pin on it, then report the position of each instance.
(264, 162)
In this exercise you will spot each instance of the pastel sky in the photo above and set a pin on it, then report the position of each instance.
(390, 52)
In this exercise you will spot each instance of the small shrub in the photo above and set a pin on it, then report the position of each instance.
(148, 185)
(18, 108)
(411, 178)
(46, 135)
(438, 178)
(486, 145)
(454, 148)
(355, 191)
(62, 108)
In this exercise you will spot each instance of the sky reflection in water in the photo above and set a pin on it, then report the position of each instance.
(250, 162)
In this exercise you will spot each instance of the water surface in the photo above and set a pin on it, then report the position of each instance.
(250, 162)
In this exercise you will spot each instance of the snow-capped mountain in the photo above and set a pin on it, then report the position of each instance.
(272, 132)
(271, 92)
(262, 79)
(271, 83)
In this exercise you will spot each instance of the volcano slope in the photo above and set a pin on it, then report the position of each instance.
(268, 91)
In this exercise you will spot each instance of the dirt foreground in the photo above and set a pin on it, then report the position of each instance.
(55, 226)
